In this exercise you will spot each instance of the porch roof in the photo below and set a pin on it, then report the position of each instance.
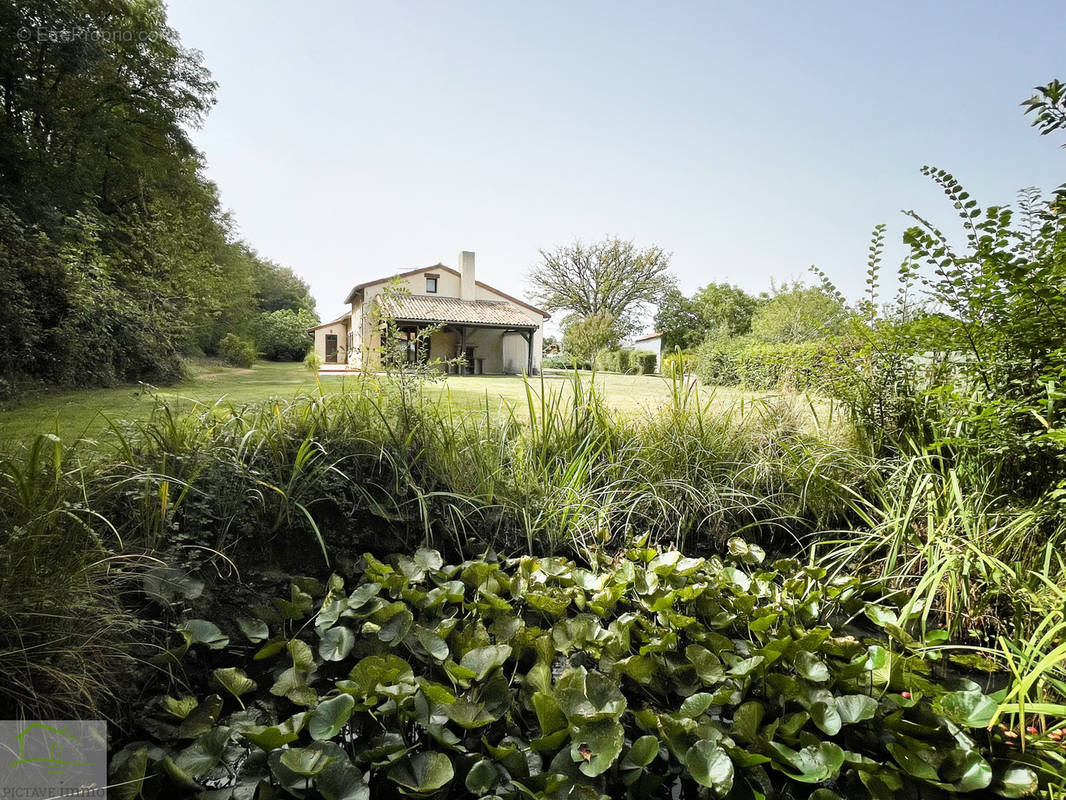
(419, 308)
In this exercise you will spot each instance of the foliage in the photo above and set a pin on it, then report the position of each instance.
(820, 366)
(620, 360)
(612, 279)
(237, 351)
(798, 313)
(115, 256)
(284, 335)
(717, 309)
(584, 337)
(278, 288)
(650, 674)
(645, 363)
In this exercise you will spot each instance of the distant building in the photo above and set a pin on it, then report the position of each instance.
(652, 343)
(493, 332)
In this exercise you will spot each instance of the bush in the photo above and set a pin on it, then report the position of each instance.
(645, 363)
(805, 366)
(283, 335)
(236, 350)
(620, 360)
(564, 361)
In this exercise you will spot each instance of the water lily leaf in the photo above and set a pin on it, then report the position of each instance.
(180, 707)
(423, 772)
(234, 681)
(300, 651)
(340, 780)
(305, 761)
(549, 716)
(1016, 781)
(912, 762)
(826, 717)
(710, 766)
(966, 770)
(427, 559)
(336, 643)
(596, 745)
(205, 753)
(363, 595)
(200, 631)
(330, 716)
(587, 696)
(812, 764)
(201, 719)
(270, 649)
(434, 644)
(811, 667)
(969, 709)
(482, 777)
(747, 719)
(128, 770)
(483, 660)
(255, 630)
(855, 708)
(270, 737)
(642, 753)
(696, 704)
(708, 666)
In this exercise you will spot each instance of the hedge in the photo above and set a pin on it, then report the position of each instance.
(804, 366)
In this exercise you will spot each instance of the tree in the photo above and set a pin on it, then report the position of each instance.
(716, 309)
(278, 287)
(583, 337)
(283, 335)
(611, 278)
(679, 321)
(726, 309)
(799, 313)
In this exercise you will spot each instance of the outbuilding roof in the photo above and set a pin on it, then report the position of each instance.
(420, 308)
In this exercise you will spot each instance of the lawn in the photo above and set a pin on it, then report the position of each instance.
(86, 413)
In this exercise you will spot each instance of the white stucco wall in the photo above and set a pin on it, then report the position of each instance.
(341, 332)
(654, 345)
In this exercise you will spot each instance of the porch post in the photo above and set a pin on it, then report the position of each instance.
(529, 348)
(462, 349)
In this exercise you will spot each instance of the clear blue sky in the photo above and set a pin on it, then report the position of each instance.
(751, 140)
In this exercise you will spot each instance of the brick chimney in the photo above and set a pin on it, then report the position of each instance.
(467, 289)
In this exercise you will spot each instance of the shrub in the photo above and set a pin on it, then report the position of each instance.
(565, 361)
(283, 335)
(236, 350)
(805, 366)
(619, 360)
(645, 363)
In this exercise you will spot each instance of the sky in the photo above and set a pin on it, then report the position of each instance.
(353, 140)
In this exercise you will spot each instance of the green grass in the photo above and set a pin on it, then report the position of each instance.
(85, 413)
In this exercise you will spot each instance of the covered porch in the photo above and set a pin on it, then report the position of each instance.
(465, 348)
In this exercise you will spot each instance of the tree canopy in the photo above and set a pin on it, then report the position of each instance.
(612, 277)
(115, 256)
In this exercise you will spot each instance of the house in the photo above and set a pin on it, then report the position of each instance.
(494, 332)
(652, 343)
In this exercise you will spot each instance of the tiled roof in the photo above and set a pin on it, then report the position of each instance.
(343, 318)
(655, 335)
(359, 287)
(419, 308)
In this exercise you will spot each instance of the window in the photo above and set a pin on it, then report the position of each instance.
(431, 284)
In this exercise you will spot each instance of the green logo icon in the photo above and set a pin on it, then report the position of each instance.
(41, 744)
